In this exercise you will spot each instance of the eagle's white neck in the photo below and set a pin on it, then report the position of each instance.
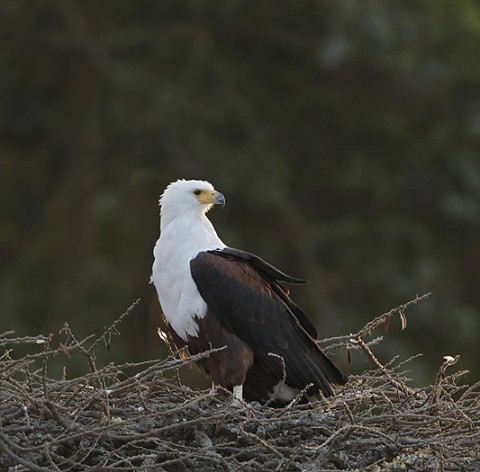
(179, 213)
(192, 228)
(182, 237)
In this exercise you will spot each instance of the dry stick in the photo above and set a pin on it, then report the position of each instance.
(379, 320)
(25, 361)
(112, 329)
(398, 385)
(167, 338)
(472, 392)
(106, 336)
(349, 412)
(470, 422)
(285, 466)
(79, 346)
(73, 464)
(49, 457)
(442, 372)
(261, 441)
(6, 333)
(6, 341)
(343, 342)
(5, 442)
(44, 368)
(347, 428)
(300, 395)
(65, 424)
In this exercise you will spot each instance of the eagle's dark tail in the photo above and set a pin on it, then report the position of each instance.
(326, 372)
(312, 366)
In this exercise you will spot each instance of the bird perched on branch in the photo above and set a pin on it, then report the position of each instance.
(214, 296)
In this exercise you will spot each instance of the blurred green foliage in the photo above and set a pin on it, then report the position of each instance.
(345, 136)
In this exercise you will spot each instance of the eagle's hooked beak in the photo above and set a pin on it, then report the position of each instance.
(219, 199)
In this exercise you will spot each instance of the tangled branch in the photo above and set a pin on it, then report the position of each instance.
(108, 419)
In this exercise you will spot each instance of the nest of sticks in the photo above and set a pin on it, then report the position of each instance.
(139, 416)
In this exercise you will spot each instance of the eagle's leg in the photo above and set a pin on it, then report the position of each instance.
(238, 392)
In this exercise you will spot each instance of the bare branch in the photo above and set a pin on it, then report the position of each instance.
(104, 420)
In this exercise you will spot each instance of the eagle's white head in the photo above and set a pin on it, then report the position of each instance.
(188, 198)
(191, 195)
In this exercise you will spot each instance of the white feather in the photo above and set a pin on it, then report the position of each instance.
(184, 232)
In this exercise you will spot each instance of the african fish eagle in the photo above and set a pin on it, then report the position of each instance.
(214, 296)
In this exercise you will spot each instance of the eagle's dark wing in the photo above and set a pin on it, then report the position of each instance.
(274, 277)
(244, 293)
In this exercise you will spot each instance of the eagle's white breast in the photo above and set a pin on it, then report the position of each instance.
(180, 241)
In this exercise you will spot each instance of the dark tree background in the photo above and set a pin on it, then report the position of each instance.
(345, 136)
